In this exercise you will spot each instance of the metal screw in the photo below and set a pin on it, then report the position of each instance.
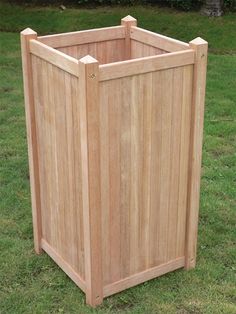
(92, 76)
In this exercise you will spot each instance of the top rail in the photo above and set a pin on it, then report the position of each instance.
(83, 37)
(157, 40)
(144, 65)
(53, 56)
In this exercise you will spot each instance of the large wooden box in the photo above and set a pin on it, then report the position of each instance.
(114, 122)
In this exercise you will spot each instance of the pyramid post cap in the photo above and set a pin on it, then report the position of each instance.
(28, 31)
(198, 41)
(88, 59)
(129, 20)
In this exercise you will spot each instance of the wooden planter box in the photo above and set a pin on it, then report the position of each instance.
(114, 123)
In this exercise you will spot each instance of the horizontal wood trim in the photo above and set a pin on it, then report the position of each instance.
(143, 276)
(144, 65)
(83, 37)
(55, 57)
(157, 40)
(64, 265)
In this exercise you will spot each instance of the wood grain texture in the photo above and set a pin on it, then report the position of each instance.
(55, 57)
(140, 49)
(115, 152)
(89, 97)
(58, 138)
(127, 22)
(143, 276)
(157, 40)
(105, 52)
(26, 36)
(83, 37)
(200, 47)
(145, 143)
(145, 65)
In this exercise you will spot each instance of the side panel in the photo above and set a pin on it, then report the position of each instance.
(139, 50)
(58, 136)
(144, 129)
(105, 51)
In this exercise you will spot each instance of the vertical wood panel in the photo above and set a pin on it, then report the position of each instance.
(145, 96)
(105, 51)
(166, 115)
(146, 202)
(114, 178)
(139, 49)
(184, 155)
(156, 148)
(58, 127)
(105, 179)
(125, 175)
(175, 161)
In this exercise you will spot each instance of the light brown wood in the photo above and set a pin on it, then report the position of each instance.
(58, 138)
(105, 51)
(200, 47)
(141, 277)
(117, 161)
(184, 154)
(55, 57)
(83, 37)
(145, 65)
(139, 50)
(26, 36)
(89, 97)
(127, 22)
(64, 265)
(157, 40)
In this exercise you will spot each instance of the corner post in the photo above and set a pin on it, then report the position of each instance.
(200, 47)
(26, 36)
(128, 21)
(90, 150)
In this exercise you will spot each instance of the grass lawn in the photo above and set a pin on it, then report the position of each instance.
(34, 284)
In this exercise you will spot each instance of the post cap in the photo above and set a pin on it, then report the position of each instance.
(28, 31)
(88, 59)
(129, 20)
(198, 41)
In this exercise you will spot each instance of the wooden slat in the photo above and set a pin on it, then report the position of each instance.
(155, 180)
(55, 57)
(125, 174)
(83, 37)
(187, 86)
(145, 96)
(143, 276)
(105, 179)
(175, 162)
(157, 40)
(136, 157)
(64, 265)
(165, 159)
(195, 155)
(140, 50)
(52, 172)
(114, 112)
(145, 65)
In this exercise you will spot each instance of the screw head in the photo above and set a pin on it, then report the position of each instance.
(92, 75)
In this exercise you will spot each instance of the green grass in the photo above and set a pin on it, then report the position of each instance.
(34, 284)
